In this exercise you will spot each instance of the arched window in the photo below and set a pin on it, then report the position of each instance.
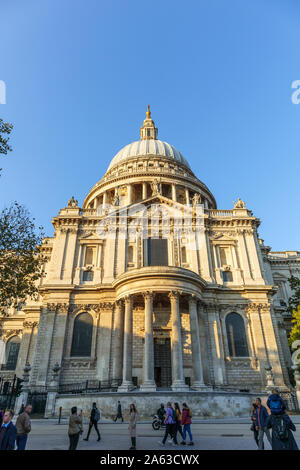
(12, 352)
(236, 336)
(82, 335)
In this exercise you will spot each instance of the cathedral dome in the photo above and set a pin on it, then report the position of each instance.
(148, 145)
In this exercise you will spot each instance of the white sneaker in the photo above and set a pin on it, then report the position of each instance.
(161, 443)
(170, 441)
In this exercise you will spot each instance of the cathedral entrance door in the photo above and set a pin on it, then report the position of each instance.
(162, 362)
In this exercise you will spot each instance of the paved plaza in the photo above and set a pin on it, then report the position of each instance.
(232, 434)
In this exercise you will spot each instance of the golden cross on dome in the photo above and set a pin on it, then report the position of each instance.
(148, 113)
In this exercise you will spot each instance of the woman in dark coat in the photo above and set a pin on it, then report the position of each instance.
(277, 443)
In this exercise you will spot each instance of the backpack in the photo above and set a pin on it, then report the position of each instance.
(275, 405)
(97, 415)
(280, 428)
(174, 415)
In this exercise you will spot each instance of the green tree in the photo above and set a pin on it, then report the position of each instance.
(294, 309)
(21, 261)
(5, 130)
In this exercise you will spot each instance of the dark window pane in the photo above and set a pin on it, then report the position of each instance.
(12, 352)
(236, 336)
(157, 252)
(227, 276)
(88, 276)
(82, 335)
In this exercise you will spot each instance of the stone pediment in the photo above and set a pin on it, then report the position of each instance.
(159, 199)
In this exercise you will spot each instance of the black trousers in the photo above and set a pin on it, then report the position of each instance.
(74, 438)
(93, 423)
(170, 429)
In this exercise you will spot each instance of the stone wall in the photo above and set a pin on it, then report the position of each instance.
(203, 405)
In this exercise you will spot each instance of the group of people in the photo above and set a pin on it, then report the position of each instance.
(278, 421)
(176, 421)
(12, 435)
(76, 424)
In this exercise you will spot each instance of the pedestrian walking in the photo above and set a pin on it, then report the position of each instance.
(132, 425)
(253, 419)
(119, 413)
(94, 418)
(282, 427)
(75, 428)
(8, 432)
(178, 427)
(186, 422)
(23, 426)
(261, 415)
(170, 420)
(275, 403)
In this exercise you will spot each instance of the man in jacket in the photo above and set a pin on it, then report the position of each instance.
(261, 415)
(75, 428)
(23, 426)
(94, 418)
(8, 432)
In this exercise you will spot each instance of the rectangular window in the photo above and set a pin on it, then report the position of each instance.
(223, 256)
(183, 255)
(88, 276)
(89, 256)
(227, 276)
(157, 252)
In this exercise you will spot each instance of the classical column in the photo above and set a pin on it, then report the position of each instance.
(177, 363)
(117, 349)
(148, 384)
(127, 347)
(104, 198)
(198, 382)
(130, 194)
(187, 196)
(144, 191)
(174, 192)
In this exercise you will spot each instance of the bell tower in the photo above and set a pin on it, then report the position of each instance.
(148, 131)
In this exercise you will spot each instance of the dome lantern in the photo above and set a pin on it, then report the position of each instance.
(148, 131)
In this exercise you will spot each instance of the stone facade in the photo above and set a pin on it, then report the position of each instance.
(156, 324)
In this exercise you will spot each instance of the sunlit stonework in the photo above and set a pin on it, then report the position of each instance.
(203, 311)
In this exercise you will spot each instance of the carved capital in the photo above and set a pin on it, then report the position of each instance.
(30, 324)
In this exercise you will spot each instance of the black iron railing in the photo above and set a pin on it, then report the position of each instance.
(90, 386)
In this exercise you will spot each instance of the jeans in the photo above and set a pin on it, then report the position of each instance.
(93, 423)
(74, 438)
(261, 432)
(21, 441)
(187, 429)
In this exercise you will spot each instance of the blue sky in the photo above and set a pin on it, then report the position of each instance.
(217, 75)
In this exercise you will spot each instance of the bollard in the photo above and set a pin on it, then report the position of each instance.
(59, 414)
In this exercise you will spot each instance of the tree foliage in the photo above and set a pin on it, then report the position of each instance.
(20, 258)
(294, 309)
(5, 130)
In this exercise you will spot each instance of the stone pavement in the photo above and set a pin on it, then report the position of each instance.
(227, 434)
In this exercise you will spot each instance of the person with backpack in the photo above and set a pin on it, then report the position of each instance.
(186, 421)
(170, 421)
(275, 403)
(94, 418)
(282, 427)
(261, 415)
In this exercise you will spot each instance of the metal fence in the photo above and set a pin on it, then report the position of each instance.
(290, 399)
(90, 386)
